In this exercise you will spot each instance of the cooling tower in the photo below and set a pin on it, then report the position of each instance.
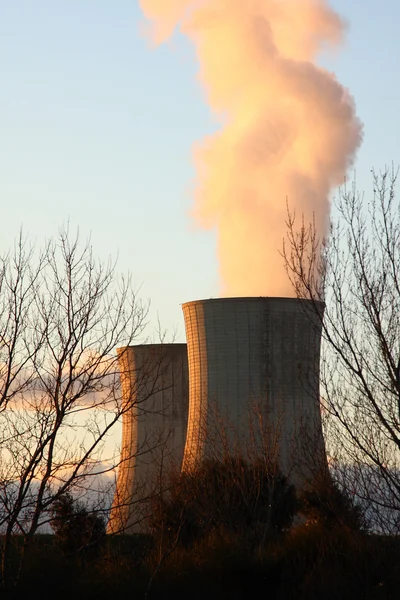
(254, 381)
(154, 381)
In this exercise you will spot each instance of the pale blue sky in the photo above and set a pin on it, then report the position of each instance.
(97, 128)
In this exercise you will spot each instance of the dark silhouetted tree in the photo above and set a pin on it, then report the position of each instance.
(355, 270)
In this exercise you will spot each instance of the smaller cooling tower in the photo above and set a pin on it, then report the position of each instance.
(254, 381)
(154, 380)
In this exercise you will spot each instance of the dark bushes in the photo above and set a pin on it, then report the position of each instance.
(326, 504)
(74, 526)
(231, 496)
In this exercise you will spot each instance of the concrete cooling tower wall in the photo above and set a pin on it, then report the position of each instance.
(254, 381)
(154, 380)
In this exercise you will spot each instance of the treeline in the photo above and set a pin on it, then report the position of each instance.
(229, 530)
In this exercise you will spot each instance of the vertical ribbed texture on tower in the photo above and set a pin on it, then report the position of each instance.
(154, 382)
(254, 381)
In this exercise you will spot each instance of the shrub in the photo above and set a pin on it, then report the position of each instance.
(74, 526)
(231, 496)
(329, 506)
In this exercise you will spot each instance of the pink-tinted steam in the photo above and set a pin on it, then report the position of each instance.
(289, 131)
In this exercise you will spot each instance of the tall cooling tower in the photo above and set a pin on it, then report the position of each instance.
(154, 381)
(254, 381)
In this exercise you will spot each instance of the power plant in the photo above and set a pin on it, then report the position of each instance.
(154, 382)
(253, 367)
(247, 381)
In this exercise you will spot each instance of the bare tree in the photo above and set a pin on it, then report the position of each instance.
(355, 271)
(62, 313)
(19, 275)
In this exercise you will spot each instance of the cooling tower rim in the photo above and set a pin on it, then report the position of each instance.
(251, 299)
(155, 346)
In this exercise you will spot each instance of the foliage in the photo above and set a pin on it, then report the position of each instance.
(227, 496)
(75, 526)
(326, 504)
(306, 563)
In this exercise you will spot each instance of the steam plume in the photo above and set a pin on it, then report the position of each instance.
(289, 130)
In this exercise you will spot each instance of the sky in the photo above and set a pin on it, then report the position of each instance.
(97, 128)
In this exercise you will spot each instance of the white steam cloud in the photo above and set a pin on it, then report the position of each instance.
(289, 129)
